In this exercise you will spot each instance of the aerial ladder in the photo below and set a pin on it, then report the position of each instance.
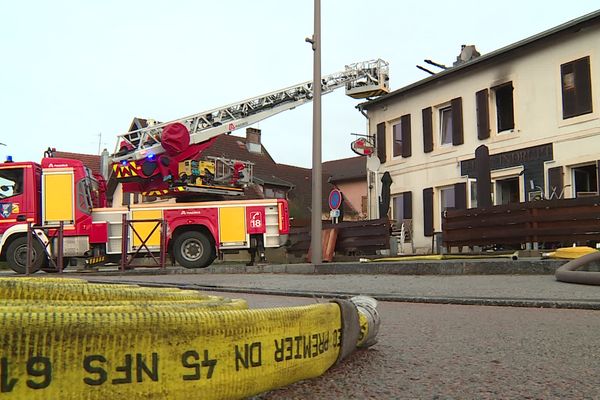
(163, 159)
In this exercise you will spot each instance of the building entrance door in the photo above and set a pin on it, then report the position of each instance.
(585, 180)
(507, 191)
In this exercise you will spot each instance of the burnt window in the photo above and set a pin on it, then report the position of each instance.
(576, 86)
(397, 132)
(504, 107)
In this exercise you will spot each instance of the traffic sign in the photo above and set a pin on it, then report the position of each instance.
(335, 199)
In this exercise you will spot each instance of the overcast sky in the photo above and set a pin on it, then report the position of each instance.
(74, 73)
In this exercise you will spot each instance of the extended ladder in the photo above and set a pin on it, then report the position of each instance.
(364, 79)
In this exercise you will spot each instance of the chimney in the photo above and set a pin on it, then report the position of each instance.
(253, 140)
(467, 53)
(104, 164)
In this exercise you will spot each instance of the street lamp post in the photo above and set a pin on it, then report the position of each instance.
(317, 190)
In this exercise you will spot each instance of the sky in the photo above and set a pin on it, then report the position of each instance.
(74, 73)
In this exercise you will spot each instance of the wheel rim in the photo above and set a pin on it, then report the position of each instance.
(192, 250)
(21, 256)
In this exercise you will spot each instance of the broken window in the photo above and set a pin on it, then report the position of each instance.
(504, 107)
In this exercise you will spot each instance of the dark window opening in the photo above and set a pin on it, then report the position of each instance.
(576, 87)
(505, 107)
(586, 181)
(397, 132)
(507, 191)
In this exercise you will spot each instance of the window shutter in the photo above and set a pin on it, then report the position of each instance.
(460, 196)
(428, 212)
(583, 85)
(406, 142)
(555, 182)
(381, 142)
(576, 88)
(598, 176)
(407, 201)
(457, 121)
(427, 130)
(483, 114)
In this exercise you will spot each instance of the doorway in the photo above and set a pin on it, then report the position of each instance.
(507, 191)
(585, 179)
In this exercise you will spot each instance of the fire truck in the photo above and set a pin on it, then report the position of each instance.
(164, 160)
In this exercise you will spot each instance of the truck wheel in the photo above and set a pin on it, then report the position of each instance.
(193, 250)
(16, 255)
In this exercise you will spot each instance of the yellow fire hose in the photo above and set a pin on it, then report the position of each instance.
(69, 339)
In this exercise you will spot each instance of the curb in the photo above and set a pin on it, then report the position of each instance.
(477, 301)
(444, 267)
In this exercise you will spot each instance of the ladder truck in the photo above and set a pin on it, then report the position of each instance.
(164, 159)
(60, 195)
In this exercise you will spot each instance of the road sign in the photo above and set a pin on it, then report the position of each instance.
(335, 199)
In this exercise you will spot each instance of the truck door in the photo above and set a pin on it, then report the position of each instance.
(17, 205)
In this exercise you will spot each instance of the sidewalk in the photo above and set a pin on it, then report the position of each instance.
(328, 280)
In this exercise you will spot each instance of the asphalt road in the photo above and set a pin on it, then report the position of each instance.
(430, 351)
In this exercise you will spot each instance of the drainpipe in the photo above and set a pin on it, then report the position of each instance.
(369, 183)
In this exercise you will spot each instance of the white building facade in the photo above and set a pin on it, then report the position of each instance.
(534, 105)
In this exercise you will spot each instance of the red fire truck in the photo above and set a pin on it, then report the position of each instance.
(63, 190)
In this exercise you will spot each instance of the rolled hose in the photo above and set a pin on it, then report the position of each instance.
(69, 339)
(568, 272)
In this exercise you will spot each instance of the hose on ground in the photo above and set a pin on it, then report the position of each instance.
(568, 272)
(68, 339)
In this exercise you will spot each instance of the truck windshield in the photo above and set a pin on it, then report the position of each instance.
(11, 182)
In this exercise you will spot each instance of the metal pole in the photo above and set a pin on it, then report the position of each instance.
(163, 244)
(124, 229)
(316, 223)
(29, 247)
(60, 250)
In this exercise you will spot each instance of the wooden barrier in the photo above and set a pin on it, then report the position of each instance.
(353, 237)
(564, 221)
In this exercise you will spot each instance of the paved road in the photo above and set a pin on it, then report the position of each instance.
(430, 351)
(438, 351)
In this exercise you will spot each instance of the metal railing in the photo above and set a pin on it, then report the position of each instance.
(126, 258)
(52, 232)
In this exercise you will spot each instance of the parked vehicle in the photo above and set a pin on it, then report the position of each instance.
(65, 190)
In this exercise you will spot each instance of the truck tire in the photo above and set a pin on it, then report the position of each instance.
(16, 255)
(193, 250)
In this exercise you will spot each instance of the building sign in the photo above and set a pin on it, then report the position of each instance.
(527, 157)
(362, 146)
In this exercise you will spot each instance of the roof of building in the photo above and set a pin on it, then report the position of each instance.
(234, 147)
(346, 169)
(300, 196)
(501, 54)
(91, 161)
